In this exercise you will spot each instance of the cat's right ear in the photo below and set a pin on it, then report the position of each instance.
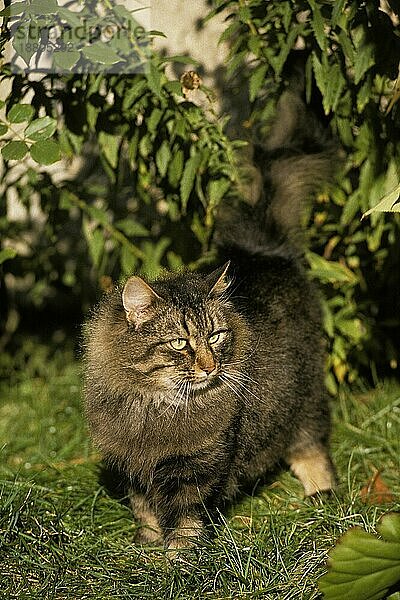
(137, 299)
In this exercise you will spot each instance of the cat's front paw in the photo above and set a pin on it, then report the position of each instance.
(184, 537)
(146, 536)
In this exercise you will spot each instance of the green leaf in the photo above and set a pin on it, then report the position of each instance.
(66, 60)
(338, 10)
(109, 145)
(41, 129)
(154, 253)
(389, 527)
(175, 168)
(363, 60)
(163, 157)
(98, 215)
(100, 52)
(132, 93)
(23, 43)
(46, 152)
(216, 190)
(389, 203)
(256, 82)
(153, 76)
(43, 7)
(20, 113)
(127, 260)
(14, 150)
(7, 254)
(95, 242)
(71, 17)
(329, 271)
(362, 566)
(131, 228)
(188, 177)
(154, 119)
(3, 128)
(174, 87)
(15, 8)
(317, 23)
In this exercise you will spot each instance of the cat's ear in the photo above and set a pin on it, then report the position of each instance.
(137, 299)
(219, 281)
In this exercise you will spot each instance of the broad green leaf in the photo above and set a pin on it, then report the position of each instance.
(100, 52)
(41, 129)
(7, 254)
(163, 157)
(14, 150)
(188, 177)
(66, 60)
(109, 145)
(175, 168)
(362, 566)
(389, 527)
(20, 113)
(389, 203)
(131, 228)
(3, 128)
(46, 152)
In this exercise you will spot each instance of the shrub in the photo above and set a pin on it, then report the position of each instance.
(152, 167)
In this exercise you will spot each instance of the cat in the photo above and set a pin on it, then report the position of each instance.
(199, 384)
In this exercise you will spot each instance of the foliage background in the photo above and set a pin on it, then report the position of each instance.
(149, 169)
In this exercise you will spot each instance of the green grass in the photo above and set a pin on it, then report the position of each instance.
(62, 535)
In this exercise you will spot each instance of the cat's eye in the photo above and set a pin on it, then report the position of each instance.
(178, 344)
(215, 337)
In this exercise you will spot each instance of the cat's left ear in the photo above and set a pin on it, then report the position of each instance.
(138, 299)
(219, 281)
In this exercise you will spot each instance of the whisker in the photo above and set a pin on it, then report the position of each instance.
(237, 393)
(239, 382)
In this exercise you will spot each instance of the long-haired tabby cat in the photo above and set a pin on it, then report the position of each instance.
(199, 383)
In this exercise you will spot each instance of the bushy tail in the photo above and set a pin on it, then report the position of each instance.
(299, 158)
(296, 160)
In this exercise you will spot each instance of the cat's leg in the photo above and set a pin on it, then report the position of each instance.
(150, 531)
(313, 467)
(182, 488)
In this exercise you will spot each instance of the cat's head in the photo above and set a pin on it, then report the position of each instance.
(183, 335)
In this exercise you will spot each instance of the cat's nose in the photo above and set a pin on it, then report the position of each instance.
(208, 368)
(205, 363)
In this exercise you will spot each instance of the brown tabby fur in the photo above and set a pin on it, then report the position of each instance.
(190, 425)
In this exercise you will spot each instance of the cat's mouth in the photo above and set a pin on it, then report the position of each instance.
(205, 383)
